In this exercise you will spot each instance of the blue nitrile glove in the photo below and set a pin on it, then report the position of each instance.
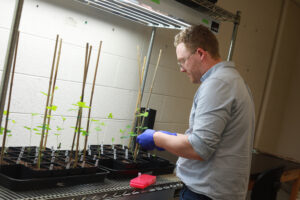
(166, 132)
(146, 139)
(169, 133)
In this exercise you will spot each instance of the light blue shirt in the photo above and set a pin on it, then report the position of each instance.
(221, 130)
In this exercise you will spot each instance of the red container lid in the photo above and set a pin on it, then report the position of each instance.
(142, 181)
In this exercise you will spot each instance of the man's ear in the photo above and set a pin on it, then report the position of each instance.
(200, 51)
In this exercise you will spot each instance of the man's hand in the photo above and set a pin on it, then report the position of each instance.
(146, 139)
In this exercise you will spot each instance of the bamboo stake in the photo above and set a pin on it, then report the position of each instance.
(91, 101)
(150, 92)
(52, 92)
(47, 103)
(78, 114)
(9, 98)
(147, 104)
(82, 98)
(138, 101)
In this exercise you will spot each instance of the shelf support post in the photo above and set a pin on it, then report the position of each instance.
(233, 38)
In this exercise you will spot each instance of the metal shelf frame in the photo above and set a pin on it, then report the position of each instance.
(217, 12)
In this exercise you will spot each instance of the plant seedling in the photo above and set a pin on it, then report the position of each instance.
(123, 136)
(98, 128)
(112, 143)
(57, 134)
(31, 126)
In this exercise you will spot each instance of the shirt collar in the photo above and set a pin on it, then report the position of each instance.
(215, 67)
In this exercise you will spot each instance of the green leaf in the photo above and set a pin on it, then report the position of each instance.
(5, 112)
(122, 131)
(124, 137)
(56, 88)
(2, 130)
(84, 133)
(8, 131)
(102, 124)
(72, 109)
(98, 129)
(145, 114)
(59, 128)
(81, 104)
(76, 129)
(63, 118)
(9, 135)
(44, 127)
(142, 128)
(49, 116)
(28, 128)
(53, 107)
(44, 93)
(38, 133)
(57, 134)
(132, 134)
(112, 139)
(13, 121)
(95, 120)
(35, 129)
(110, 116)
(34, 114)
(128, 126)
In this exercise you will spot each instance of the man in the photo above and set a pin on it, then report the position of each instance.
(215, 152)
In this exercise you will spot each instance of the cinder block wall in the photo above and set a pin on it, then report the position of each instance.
(117, 80)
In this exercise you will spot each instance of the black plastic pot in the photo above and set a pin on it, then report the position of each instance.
(32, 171)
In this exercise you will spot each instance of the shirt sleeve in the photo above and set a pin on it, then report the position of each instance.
(212, 112)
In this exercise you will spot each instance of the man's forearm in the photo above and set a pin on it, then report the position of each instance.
(178, 145)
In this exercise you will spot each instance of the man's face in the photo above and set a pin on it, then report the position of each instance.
(189, 62)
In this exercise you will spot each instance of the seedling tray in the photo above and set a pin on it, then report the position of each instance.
(10, 177)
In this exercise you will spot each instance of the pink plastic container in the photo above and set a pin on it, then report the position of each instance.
(142, 181)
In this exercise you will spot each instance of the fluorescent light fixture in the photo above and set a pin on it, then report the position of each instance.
(137, 12)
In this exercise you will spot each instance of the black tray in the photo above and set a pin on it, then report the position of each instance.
(123, 173)
(118, 173)
(10, 178)
(169, 169)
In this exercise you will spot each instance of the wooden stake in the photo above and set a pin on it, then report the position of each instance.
(78, 114)
(82, 98)
(91, 101)
(9, 98)
(147, 104)
(138, 100)
(47, 103)
(52, 92)
(154, 75)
